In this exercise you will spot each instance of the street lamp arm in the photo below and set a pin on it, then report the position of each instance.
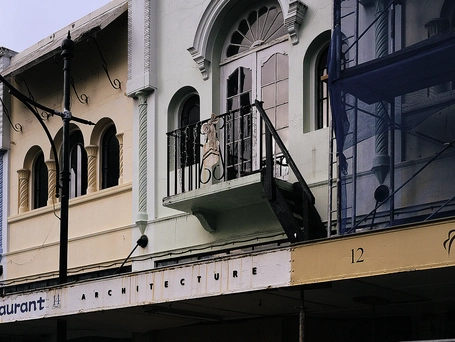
(54, 149)
(83, 121)
(28, 103)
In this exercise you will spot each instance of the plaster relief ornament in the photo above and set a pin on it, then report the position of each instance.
(211, 149)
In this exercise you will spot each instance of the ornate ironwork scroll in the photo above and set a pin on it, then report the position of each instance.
(116, 84)
(17, 127)
(83, 98)
(19, 79)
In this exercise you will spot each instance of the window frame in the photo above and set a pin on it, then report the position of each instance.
(189, 127)
(322, 103)
(78, 179)
(110, 158)
(40, 181)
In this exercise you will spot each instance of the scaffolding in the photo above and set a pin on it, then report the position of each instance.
(392, 92)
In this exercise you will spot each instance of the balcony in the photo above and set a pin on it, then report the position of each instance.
(235, 160)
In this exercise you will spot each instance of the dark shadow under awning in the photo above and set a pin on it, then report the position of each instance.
(79, 30)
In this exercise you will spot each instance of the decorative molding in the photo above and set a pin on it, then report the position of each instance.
(130, 40)
(294, 19)
(199, 49)
(119, 137)
(436, 26)
(147, 36)
(207, 219)
(142, 186)
(24, 179)
(203, 64)
(92, 153)
(142, 46)
(5, 52)
(293, 12)
(52, 181)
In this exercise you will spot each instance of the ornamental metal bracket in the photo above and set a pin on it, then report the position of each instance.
(83, 98)
(116, 84)
(17, 127)
(19, 79)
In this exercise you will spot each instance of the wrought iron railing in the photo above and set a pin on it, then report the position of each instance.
(222, 148)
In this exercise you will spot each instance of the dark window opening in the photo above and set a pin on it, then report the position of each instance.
(239, 123)
(78, 165)
(110, 158)
(323, 106)
(190, 130)
(40, 182)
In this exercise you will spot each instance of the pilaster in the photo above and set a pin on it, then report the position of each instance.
(142, 216)
(92, 153)
(142, 43)
(119, 137)
(24, 179)
(52, 181)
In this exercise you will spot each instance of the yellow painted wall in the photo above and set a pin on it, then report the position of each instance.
(99, 222)
(376, 253)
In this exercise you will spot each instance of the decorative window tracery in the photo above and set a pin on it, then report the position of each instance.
(259, 27)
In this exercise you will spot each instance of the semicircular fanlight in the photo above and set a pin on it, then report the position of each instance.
(259, 27)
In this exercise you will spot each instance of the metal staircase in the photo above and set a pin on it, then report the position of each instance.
(293, 204)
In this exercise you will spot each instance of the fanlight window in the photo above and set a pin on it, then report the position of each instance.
(259, 27)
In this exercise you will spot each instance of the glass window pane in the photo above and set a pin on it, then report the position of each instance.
(268, 96)
(282, 66)
(110, 158)
(268, 71)
(232, 83)
(282, 90)
(245, 80)
(284, 135)
(40, 182)
(282, 116)
(245, 99)
(260, 26)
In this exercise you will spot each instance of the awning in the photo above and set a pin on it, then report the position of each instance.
(79, 30)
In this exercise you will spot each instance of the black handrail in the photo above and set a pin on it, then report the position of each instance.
(284, 150)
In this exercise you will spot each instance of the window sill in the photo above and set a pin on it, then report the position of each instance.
(100, 194)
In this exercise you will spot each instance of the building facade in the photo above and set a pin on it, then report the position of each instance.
(229, 210)
(101, 173)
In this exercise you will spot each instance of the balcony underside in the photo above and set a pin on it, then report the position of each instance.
(206, 202)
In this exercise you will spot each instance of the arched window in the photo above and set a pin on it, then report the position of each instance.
(110, 158)
(255, 66)
(40, 182)
(261, 26)
(189, 125)
(78, 165)
(322, 94)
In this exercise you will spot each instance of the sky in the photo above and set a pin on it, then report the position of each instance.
(25, 22)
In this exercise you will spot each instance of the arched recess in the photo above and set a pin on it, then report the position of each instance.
(215, 18)
(77, 159)
(176, 105)
(310, 61)
(184, 121)
(105, 154)
(33, 180)
(30, 156)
